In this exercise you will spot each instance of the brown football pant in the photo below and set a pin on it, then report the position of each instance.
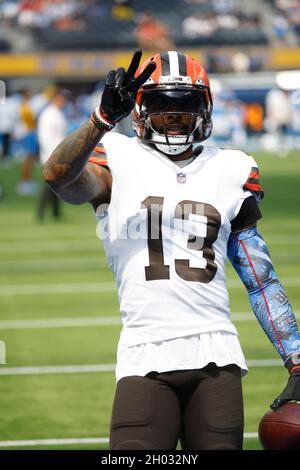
(203, 408)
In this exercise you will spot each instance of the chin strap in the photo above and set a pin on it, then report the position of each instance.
(172, 149)
(178, 142)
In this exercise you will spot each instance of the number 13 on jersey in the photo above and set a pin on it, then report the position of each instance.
(157, 269)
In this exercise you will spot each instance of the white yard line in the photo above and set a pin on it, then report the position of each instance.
(76, 441)
(100, 287)
(70, 243)
(44, 370)
(262, 362)
(59, 323)
(67, 264)
(49, 246)
(54, 442)
(74, 322)
(250, 435)
(45, 289)
(91, 368)
(57, 265)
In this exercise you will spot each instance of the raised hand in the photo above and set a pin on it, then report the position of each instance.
(121, 88)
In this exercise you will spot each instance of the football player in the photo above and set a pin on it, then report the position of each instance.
(170, 211)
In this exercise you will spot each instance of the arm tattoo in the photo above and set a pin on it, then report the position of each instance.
(250, 257)
(68, 160)
(86, 188)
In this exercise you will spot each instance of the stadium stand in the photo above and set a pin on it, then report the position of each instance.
(73, 43)
(107, 24)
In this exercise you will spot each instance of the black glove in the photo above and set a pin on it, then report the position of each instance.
(119, 94)
(291, 391)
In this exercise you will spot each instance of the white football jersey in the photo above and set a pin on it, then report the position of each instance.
(165, 235)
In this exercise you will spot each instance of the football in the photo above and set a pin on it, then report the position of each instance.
(280, 429)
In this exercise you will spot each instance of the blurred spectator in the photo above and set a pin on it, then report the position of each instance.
(279, 110)
(290, 10)
(8, 113)
(152, 34)
(281, 29)
(295, 20)
(27, 134)
(240, 62)
(52, 129)
(296, 119)
(254, 119)
(70, 24)
(225, 7)
(228, 21)
(218, 63)
(250, 21)
(39, 101)
(95, 9)
(278, 118)
(122, 10)
(228, 120)
(8, 11)
(199, 25)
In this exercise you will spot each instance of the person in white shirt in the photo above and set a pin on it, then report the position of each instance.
(278, 119)
(51, 128)
(170, 211)
(8, 112)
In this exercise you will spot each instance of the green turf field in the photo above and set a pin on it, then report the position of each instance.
(59, 308)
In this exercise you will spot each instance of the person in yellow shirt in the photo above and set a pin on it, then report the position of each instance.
(29, 141)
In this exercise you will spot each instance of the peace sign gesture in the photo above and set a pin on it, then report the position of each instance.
(121, 88)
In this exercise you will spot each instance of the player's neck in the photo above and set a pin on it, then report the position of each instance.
(182, 156)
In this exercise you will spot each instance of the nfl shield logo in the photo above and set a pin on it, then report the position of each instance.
(181, 178)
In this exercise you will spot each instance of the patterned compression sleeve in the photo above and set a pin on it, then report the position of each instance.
(250, 257)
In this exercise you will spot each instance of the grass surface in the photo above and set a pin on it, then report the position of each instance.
(44, 255)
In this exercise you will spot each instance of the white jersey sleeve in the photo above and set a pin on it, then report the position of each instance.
(242, 173)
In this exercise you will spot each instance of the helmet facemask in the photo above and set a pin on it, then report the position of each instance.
(174, 118)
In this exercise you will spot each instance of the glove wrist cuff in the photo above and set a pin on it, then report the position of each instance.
(100, 122)
(292, 363)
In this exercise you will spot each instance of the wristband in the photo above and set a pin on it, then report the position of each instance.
(293, 362)
(100, 122)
